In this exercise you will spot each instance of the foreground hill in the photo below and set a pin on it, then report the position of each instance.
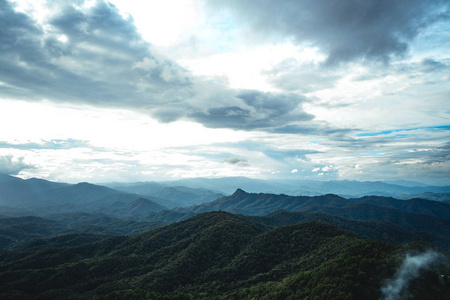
(215, 256)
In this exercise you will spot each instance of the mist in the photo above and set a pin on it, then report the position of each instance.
(408, 271)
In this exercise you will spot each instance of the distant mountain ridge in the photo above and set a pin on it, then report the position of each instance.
(43, 198)
(344, 188)
(169, 195)
(263, 203)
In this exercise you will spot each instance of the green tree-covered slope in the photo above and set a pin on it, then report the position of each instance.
(215, 255)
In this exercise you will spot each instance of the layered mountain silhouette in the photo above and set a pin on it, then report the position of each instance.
(161, 241)
(406, 220)
(344, 188)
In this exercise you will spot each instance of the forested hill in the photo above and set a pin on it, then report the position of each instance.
(263, 203)
(260, 204)
(216, 255)
(397, 221)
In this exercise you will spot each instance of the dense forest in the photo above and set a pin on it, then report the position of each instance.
(217, 255)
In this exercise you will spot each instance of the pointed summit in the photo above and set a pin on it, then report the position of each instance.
(239, 192)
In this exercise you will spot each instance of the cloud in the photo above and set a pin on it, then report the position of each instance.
(316, 128)
(236, 161)
(282, 155)
(102, 59)
(342, 30)
(53, 144)
(423, 155)
(13, 165)
(294, 171)
(93, 55)
(292, 75)
(257, 110)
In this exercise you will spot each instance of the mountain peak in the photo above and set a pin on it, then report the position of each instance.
(239, 191)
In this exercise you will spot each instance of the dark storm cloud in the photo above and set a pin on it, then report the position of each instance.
(344, 30)
(12, 166)
(104, 61)
(95, 56)
(258, 111)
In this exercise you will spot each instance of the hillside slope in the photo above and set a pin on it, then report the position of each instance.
(214, 255)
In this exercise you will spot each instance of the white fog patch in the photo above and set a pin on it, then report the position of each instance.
(408, 271)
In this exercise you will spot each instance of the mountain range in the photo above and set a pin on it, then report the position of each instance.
(168, 241)
(344, 188)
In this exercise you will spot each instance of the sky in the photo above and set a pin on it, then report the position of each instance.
(130, 90)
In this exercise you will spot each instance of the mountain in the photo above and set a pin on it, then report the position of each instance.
(407, 183)
(259, 204)
(169, 196)
(8, 178)
(441, 197)
(396, 221)
(41, 197)
(415, 205)
(15, 191)
(262, 203)
(367, 228)
(14, 232)
(79, 194)
(228, 185)
(25, 228)
(182, 196)
(136, 208)
(409, 221)
(344, 188)
(215, 255)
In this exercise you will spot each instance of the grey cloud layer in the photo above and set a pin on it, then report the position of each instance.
(11, 165)
(236, 161)
(94, 65)
(259, 111)
(95, 56)
(344, 30)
